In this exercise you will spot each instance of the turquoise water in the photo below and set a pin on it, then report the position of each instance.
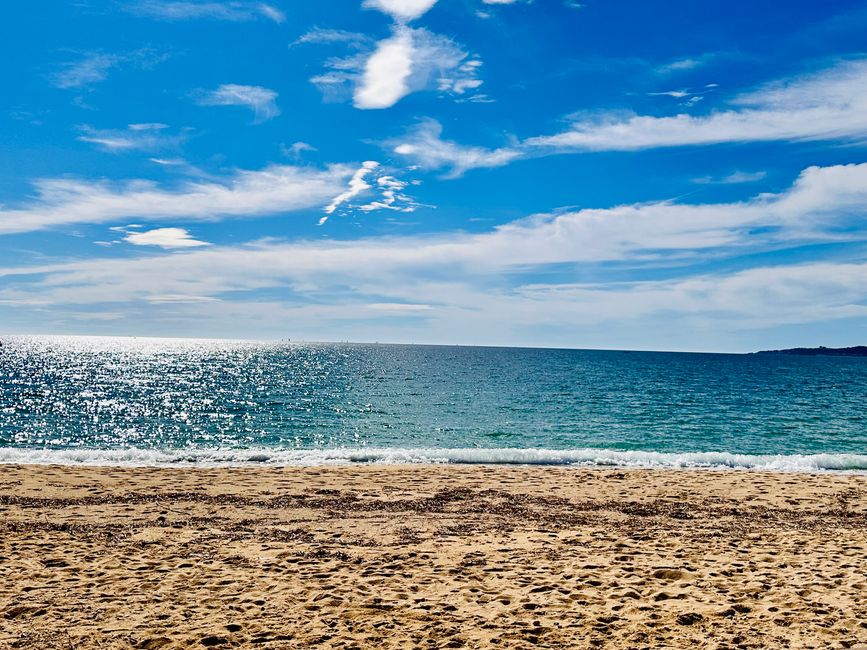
(153, 401)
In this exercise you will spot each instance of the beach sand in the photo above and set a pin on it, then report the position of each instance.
(430, 557)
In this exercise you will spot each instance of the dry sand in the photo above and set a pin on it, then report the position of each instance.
(430, 557)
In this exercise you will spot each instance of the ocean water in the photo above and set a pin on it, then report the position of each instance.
(163, 401)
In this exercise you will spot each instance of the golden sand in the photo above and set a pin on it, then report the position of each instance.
(430, 557)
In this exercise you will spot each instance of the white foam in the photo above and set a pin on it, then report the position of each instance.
(134, 457)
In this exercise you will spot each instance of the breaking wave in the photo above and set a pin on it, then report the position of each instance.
(137, 457)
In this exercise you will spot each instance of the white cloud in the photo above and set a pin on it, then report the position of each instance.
(412, 60)
(231, 10)
(89, 70)
(330, 36)
(271, 12)
(477, 98)
(662, 233)
(465, 285)
(759, 297)
(679, 314)
(830, 104)
(461, 78)
(147, 126)
(169, 162)
(296, 149)
(176, 299)
(677, 94)
(687, 63)
(262, 101)
(274, 189)
(386, 73)
(343, 74)
(408, 61)
(136, 137)
(392, 197)
(425, 146)
(357, 185)
(94, 67)
(734, 178)
(401, 10)
(827, 105)
(398, 306)
(168, 238)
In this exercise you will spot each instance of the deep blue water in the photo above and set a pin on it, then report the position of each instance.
(68, 399)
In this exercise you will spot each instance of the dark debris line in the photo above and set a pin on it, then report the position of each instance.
(557, 512)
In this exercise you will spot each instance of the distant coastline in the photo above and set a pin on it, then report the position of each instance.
(822, 351)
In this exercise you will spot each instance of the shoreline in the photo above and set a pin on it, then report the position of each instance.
(577, 458)
(474, 556)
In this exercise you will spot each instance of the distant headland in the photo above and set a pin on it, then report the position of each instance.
(822, 351)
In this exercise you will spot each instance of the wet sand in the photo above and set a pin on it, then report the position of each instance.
(430, 557)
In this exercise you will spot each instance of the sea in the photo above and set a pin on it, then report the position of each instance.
(180, 402)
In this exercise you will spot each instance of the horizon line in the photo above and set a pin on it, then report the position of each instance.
(388, 343)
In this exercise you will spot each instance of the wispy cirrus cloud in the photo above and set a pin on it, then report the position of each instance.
(830, 104)
(330, 36)
(487, 14)
(687, 97)
(135, 137)
(812, 209)
(466, 281)
(90, 68)
(425, 146)
(230, 10)
(687, 63)
(735, 178)
(296, 149)
(273, 190)
(262, 101)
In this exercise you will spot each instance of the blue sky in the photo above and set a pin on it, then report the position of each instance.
(603, 173)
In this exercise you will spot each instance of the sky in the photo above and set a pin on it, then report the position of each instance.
(620, 174)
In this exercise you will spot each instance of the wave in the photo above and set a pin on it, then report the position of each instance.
(137, 457)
